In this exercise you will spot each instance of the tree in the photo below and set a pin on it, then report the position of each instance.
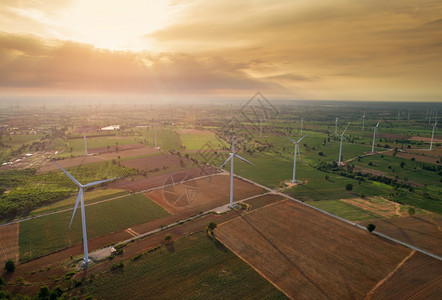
(1, 283)
(9, 265)
(43, 293)
(402, 164)
(371, 227)
(411, 211)
(168, 237)
(212, 226)
(348, 187)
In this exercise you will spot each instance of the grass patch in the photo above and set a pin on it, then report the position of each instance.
(345, 210)
(46, 234)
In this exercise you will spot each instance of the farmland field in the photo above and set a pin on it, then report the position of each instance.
(197, 267)
(202, 194)
(309, 255)
(420, 277)
(9, 242)
(46, 234)
(423, 231)
(194, 139)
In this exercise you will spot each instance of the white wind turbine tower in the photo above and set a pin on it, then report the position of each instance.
(432, 135)
(363, 121)
(80, 199)
(374, 136)
(340, 146)
(336, 127)
(294, 156)
(156, 145)
(85, 145)
(231, 157)
(302, 123)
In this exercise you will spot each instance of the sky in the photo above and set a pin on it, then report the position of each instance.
(295, 49)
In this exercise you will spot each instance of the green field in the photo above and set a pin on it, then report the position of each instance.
(167, 138)
(391, 166)
(199, 141)
(89, 197)
(345, 210)
(46, 234)
(197, 268)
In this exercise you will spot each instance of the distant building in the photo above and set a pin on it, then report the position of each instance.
(111, 127)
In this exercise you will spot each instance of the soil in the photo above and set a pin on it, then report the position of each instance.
(310, 255)
(9, 242)
(423, 231)
(202, 194)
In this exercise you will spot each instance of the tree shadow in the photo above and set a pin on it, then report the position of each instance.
(170, 246)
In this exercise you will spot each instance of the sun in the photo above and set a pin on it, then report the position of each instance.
(113, 24)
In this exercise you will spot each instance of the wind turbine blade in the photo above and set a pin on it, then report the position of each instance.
(242, 158)
(299, 151)
(292, 140)
(227, 160)
(67, 174)
(377, 124)
(76, 206)
(301, 139)
(98, 182)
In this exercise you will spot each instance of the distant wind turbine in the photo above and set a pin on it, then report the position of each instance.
(85, 145)
(432, 135)
(363, 121)
(374, 136)
(336, 127)
(294, 156)
(340, 146)
(80, 198)
(302, 123)
(231, 157)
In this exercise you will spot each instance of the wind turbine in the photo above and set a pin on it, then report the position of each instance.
(363, 121)
(85, 145)
(232, 155)
(302, 123)
(340, 146)
(374, 136)
(294, 157)
(336, 127)
(80, 198)
(432, 135)
(156, 145)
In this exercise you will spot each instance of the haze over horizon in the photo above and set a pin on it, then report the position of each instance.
(319, 50)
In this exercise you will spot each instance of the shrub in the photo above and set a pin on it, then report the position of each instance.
(117, 266)
(349, 187)
(168, 237)
(411, 211)
(371, 227)
(9, 265)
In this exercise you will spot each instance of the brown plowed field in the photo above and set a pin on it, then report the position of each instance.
(9, 242)
(158, 161)
(144, 183)
(77, 161)
(418, 157)
(420, 277)
(423, 231)
(425, 139)
(310, 255)
(202, 194)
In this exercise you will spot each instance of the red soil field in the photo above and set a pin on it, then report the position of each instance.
(202, 194)
(423, 231)
(420, 277)
(310, 255)
(141, 183)
(418, 157)
(158, 161)
(9, 242)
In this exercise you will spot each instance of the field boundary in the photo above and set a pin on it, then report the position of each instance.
(370, 293)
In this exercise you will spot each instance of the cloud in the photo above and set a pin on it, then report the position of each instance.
(69, 66)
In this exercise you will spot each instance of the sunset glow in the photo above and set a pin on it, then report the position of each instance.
(340, 50)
